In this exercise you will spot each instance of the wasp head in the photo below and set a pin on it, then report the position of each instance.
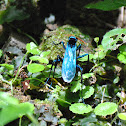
(72, 40)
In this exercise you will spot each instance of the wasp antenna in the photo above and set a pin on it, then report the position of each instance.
(81, 40)
(77, 38)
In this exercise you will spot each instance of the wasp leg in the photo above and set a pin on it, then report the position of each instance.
(82, 56)
(58, 60)
(54, 63)
(79, 48)
(61, 43)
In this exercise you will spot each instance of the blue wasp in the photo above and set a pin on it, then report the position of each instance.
(69, 62)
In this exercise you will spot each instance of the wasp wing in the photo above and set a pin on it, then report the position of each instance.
(69, 63)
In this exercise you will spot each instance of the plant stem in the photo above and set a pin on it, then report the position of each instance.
(116, 115)
(33, 119)
(42, 82)
(19, 67)
(114, 119)
(29, 36)
(96, 65)
(10, 83)
(98, 53)
(20, 121)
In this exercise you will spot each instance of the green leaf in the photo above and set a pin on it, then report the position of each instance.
(111, 38)
(40, 59)
(34, 58)
(5, 97)
(34, 67)
(86, 121)
(1, 77)
(107, 5)
(87, 75)
(122, 116)
(100, 90)
(100, 54)
(32, 48)
(80, 108)
(116, 80)
(12, 112)
(11, 14)
(45, 53)
(87, 92)
(10, 109)
(43, 60)
(107, 108)
(7, 66)
(122, 55)
(63, 103)
(76, 85)
(122, 96)
(122, 48)
(62, 120)
(1, 53)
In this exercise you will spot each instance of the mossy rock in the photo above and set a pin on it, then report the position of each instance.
(61, 34)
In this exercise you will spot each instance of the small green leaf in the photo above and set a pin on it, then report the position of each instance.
(99, 55)
(76, 85)
(107, 108)
(86, 121)
(1, 77)
(40, 59)
(45, 53)
(34, 67)
(87, 75)
(116, 80)
(106, 5)
(63, 103)
(119, 95)
(11, 13)
(34, 58)
(122, 116)
(32, 48)
(122, 48)
(43, 60)
(80, 108)
(87, 92)
(111, 38)
(122, 96)
(62, 120)
(122, 55)
(1, 53)
(7, 66)
(96, 39)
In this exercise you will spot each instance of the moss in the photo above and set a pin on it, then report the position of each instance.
(61, 34)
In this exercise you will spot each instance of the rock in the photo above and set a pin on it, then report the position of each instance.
(15, 43)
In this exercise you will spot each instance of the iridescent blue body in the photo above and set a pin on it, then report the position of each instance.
(69, 61)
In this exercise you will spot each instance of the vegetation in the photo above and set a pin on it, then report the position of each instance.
(58, 103)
